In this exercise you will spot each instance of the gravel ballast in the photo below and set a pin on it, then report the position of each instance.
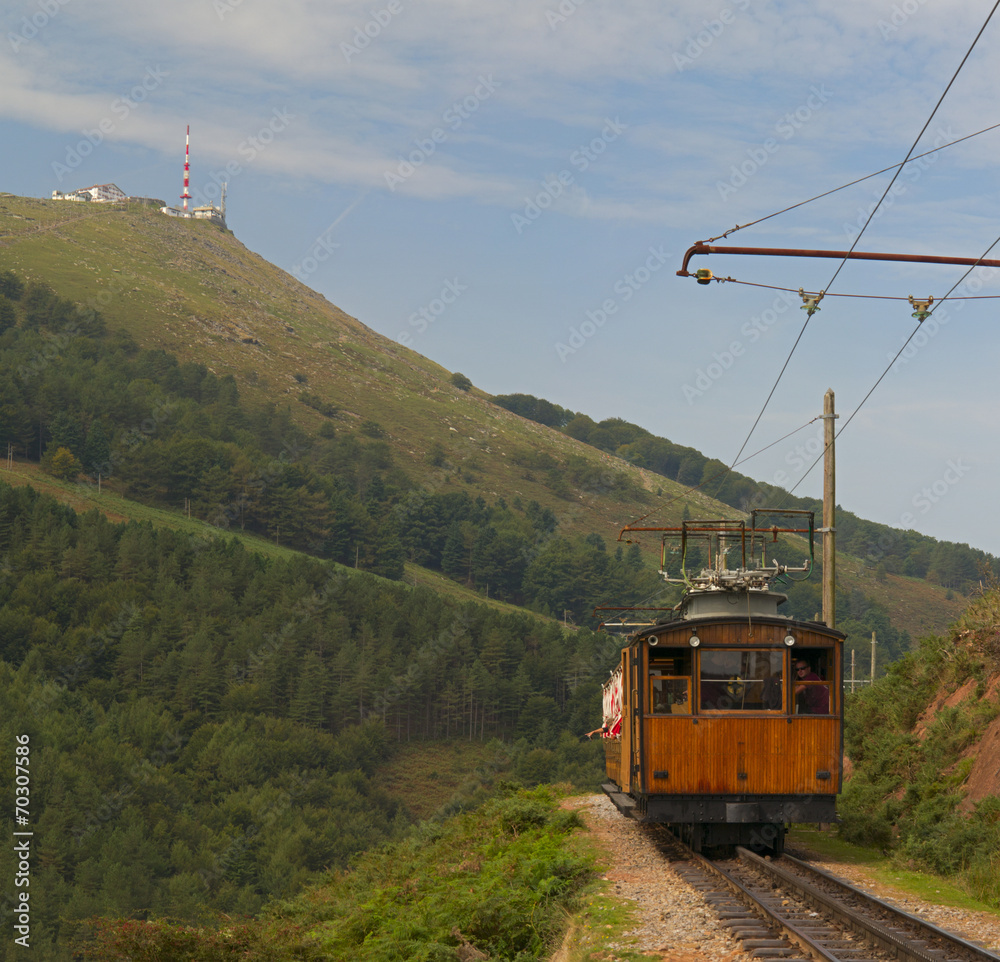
(676, 924)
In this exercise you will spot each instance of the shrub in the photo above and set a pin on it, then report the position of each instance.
(863, 828)
(61, 463)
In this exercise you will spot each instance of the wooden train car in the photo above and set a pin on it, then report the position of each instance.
(723, 720)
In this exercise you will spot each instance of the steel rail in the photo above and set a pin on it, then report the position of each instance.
(771, 918)
(900, 945)
(883, 936)
(703, 248)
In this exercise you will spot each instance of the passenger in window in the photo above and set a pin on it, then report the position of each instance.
(810, 699)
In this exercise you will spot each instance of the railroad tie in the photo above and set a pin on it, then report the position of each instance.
(745, 935)
(772, 953)
(750, 944)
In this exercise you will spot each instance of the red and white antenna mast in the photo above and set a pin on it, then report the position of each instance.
(186, 196)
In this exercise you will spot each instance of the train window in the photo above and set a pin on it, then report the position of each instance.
(670, 681)
(670, 696)
(670, 661)
(743, 680)
(810, 689)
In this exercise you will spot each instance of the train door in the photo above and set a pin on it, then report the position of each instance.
(637, 676)
(631, 721)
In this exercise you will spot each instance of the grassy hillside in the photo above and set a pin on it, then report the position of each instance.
(924, 758)
(191, 288)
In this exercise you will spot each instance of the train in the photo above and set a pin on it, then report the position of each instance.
(723, 719)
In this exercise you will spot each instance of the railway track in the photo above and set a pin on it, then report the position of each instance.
(786, 909)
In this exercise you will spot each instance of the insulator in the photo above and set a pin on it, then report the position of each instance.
(921, 312)
(810, 302)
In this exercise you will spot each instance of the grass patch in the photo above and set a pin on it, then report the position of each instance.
(827, 847)
(601, 919)
(505, 879)
(428, 775)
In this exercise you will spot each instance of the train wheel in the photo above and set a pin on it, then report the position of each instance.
(767, 839)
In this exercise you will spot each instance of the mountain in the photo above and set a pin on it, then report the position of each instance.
(257, 560)
(192, 289)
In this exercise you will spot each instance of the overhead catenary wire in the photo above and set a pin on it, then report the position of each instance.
(859, 180)
(812, 309)
(697, 487)
(895, 358)
(923, 130)
(774, 388)
(872, 297)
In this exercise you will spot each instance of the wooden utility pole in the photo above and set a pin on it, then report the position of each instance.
(829, 529)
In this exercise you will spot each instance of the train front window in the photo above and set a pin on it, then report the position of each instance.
(670, 681)
(741, 681)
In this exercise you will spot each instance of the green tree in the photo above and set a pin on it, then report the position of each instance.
(8, 317)
(457, 555)
(11, 286)
(66, 433)
(309, 703)
(97, 449)
(61, 463)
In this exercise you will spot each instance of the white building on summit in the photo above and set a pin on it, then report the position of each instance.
(102, 193)
(112, 194)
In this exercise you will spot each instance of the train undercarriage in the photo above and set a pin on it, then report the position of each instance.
(716, 824)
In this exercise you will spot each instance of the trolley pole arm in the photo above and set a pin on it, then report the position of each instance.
(702, 248)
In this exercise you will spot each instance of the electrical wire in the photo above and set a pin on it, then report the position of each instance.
(895, 358)
(923, 130)
(906, 159)
(692, 488)
(898, 169)
(884, 170)
(774, 388)
(873, 297)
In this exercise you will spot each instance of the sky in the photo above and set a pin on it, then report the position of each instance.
(509, 189)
